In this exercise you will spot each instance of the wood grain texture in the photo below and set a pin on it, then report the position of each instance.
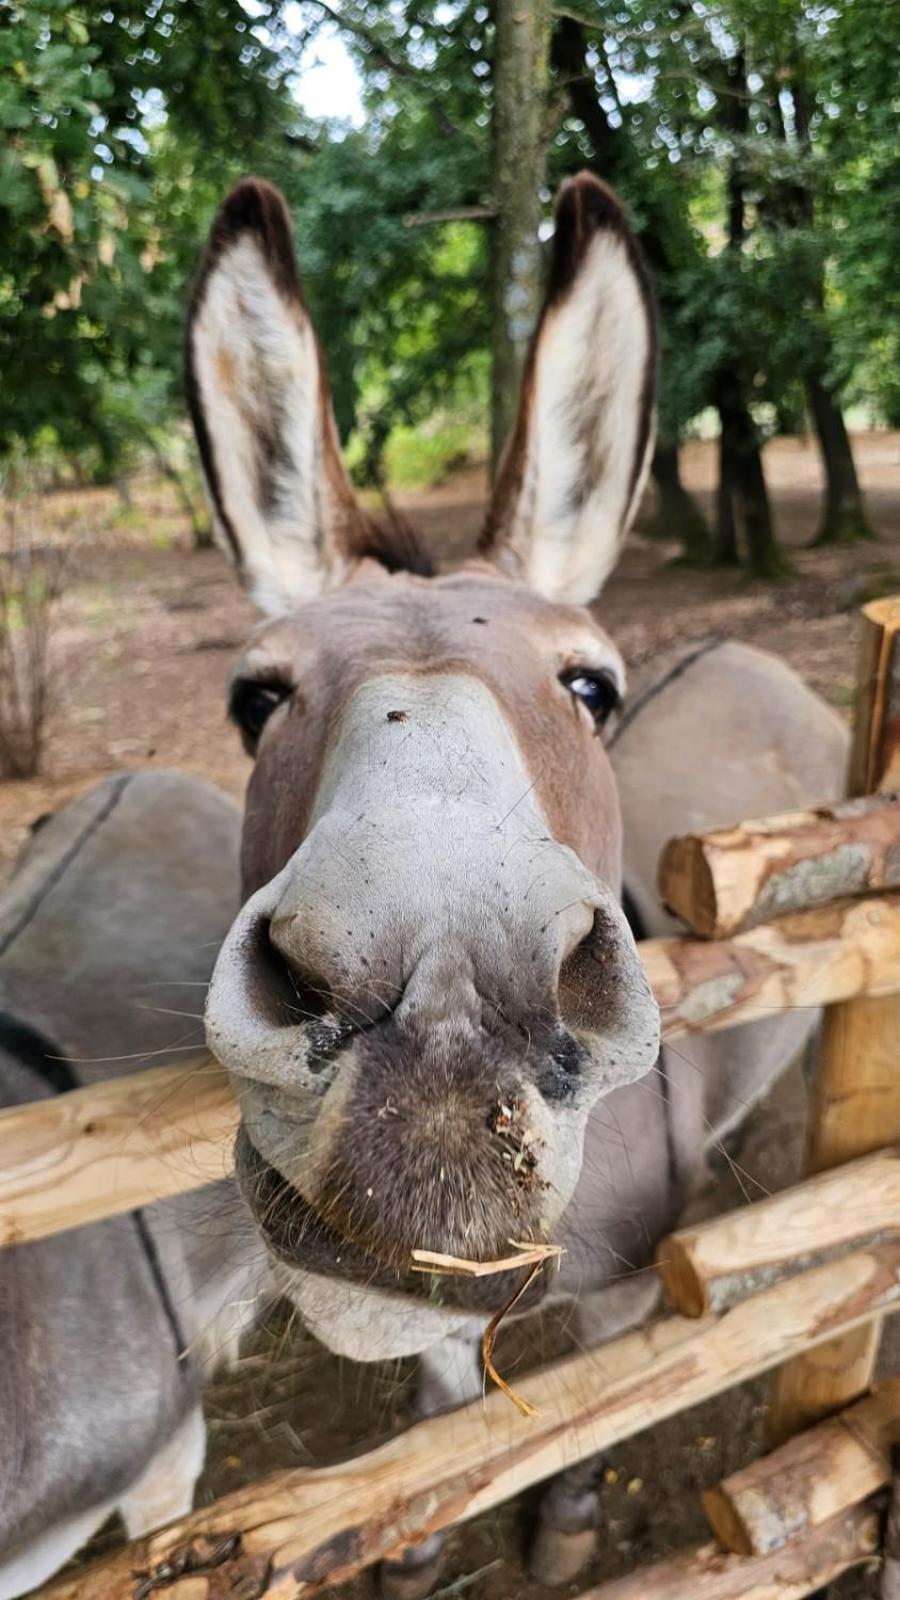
(98, 1151)
(875, 751)
(708, 1573)
(730, 879)
(709, 1265)
(105, 1149)
(298, 1530)
(813, 958)
(855, 1098)
(811, 1479)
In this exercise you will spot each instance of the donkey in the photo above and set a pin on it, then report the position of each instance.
(108, 931)
(431, 1005)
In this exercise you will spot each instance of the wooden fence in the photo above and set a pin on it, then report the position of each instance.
(799, 1282)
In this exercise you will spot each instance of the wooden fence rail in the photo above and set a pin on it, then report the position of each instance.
(854, 1102)
(102, 1150)
(290, 1533)
(730, 879)
(99, 1151)
(708, 1265)
(709, 1573)
(815, 1476)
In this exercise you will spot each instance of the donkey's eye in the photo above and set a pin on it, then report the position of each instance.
(251, 704)
(598, 691)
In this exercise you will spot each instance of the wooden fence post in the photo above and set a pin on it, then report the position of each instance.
(855, 1097)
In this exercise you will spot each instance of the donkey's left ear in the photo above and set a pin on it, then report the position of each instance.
(576, 462)
(282, 502)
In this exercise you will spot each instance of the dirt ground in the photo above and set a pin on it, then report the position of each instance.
(147, 632)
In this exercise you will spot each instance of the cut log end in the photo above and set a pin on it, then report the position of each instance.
(683, 1285)
(687, 887)
(708, 1573)
(726, 1522)
(816, 1475)
(729, 880)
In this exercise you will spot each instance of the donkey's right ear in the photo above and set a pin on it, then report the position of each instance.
(571, 477)
(282, 503)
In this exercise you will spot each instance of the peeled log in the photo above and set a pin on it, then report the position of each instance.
(110, 1147)
(707, 1266)
(809, 1480)
(708, 1573)
(731, 879)
(300, 1529)
(812, 958)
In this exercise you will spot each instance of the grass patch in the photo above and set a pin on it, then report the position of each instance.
(420, 457)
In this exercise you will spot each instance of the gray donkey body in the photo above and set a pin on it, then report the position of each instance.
(108, 932)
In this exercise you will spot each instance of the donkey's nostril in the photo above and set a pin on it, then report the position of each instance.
(279, 995)
(293, 994)
(560, 1071)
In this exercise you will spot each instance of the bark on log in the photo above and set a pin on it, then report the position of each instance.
(98, 1151)
(297, 1530)
(725, 881)
(855, 1098)
(708, 1573)
(890, 1572)
(706, 1267)
(811, 1479)
(814, 958)
(101, 1150)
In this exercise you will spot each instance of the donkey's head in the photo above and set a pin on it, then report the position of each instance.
(431, 980)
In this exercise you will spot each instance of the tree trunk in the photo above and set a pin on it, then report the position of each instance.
(521, 77)
(844, 519)
(743, 505)
(123, 490)
(677, 514)
(793, 205)
(743, 510)
(725, 552)
(817, 1475)
(199, 519)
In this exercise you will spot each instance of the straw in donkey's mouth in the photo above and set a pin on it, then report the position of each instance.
(527, 1255)
(532, 1256)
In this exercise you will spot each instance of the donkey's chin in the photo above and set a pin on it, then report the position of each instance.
(301, 1240)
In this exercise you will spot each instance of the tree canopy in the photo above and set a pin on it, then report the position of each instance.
(754, 143)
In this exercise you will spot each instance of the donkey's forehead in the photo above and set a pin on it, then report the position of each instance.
(465, 615)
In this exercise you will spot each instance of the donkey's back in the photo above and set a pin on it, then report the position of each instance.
(108, 932)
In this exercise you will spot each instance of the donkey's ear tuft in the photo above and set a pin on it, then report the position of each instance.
(257, 208)
(574, 467)
(282, 503)
(584, 207)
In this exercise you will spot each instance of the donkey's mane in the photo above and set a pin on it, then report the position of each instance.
(395, 545)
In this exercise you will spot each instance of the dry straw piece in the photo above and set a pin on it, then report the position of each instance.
(528, 1255)
(533, 1256)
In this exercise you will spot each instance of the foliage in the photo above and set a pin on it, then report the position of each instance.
(107, 175)
(753, 141)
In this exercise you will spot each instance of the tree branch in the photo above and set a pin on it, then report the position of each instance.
(400, 69)
(427, 219)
